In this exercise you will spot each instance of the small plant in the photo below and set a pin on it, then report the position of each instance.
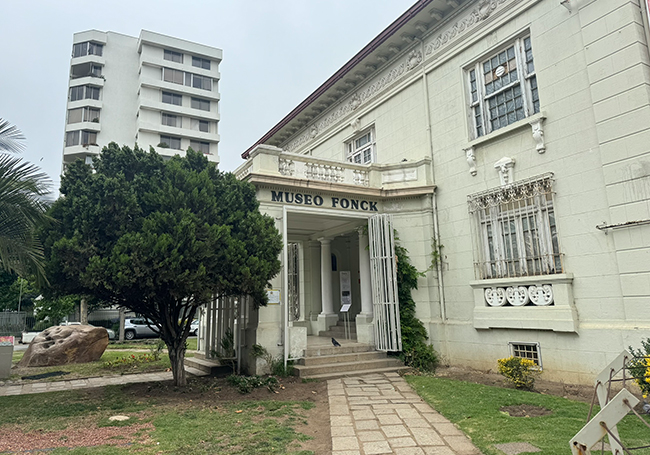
(163, 145)
(246, 384)
(520, 372)
(640, 367)
(157, 349)
(422, 357)
(276, 364)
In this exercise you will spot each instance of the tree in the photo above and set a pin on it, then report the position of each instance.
(160, 238)
(22, 207)
(14, 289)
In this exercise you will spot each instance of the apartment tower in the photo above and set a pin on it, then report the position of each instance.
(153, 90)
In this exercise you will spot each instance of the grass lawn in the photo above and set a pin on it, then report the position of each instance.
(147, 344)
(92, 369)
(475, 408)
(168, 422)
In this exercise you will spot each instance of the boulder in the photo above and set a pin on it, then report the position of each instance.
(60, 345)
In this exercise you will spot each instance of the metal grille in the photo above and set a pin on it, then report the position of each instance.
(530, 351)
(515, 233)
(225, 321)
(293, 271)
(383, 274)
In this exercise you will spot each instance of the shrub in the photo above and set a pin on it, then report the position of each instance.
(520, 372)
(416, 352)
(640, 367)
(276, 364)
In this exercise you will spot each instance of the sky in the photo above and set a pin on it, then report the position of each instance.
(275, 53)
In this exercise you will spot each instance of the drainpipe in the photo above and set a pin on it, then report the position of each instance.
(285, 286)
(434, 204)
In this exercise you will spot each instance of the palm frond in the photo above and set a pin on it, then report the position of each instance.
(10, 137)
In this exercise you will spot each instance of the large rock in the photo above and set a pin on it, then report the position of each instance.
(60, 345)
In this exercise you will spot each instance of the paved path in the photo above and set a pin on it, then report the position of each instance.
(380, 413)
(72, 384)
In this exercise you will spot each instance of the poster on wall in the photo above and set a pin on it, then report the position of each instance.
(273, 296)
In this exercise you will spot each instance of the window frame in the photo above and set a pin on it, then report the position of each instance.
(536, 357)
(352, 149)
(201, 62)
(196, 124)
(198, 81)
(174, 56)
(173, 96)
(200, 102)
(479, 111)
(87, 92)
(87, 48)
(172, 120)
(170, 143)
(175, 76)
(86, 114)
(515, 230)
(200, 145)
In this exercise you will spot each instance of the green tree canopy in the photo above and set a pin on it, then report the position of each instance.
(159, 238)
(22, 207)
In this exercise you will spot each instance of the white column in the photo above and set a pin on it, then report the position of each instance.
(326, 276)
(364, 274)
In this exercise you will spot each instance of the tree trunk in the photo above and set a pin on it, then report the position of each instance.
(177, 359)
(83, 312)
(122, 321)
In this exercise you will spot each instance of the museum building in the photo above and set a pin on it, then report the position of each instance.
(508, 138)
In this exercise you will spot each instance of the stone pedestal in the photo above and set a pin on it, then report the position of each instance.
(325, 321)
(297, 342)
(365, 329)
(6, 353)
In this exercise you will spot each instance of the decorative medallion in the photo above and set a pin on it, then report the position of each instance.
(541, 295)
(495, 296)
(517, 295)
(414, 59)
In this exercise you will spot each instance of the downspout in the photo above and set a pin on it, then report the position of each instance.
(285, 286)
(434, 204)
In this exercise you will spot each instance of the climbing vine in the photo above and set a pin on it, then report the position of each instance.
(416, 352)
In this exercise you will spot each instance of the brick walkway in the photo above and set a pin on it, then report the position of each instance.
(380, 413)
(56, 386)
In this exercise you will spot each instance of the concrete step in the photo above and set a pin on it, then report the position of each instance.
(347, 367)
(339, 374)
(316, 351)
(341, 329)
(338, 335)
(342, 358)
(209, 367)
(195, 371)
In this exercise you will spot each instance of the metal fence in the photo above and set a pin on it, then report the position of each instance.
(15, 322)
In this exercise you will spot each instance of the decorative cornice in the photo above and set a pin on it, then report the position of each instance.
(400, 69)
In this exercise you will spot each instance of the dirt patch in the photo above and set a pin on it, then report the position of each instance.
(525, 410)
(200, 393)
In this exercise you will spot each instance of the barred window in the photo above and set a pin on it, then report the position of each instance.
(515, 233)
(503, 88)
(529, 351)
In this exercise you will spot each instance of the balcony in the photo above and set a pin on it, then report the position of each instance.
(271, 165)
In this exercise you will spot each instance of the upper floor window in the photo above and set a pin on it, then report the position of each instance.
(173, 56)
(201, 62)
(171, 75)
(170, 142)
(84, 138)
(198, 103)
(198, 146)
(171, 120)
(196, 81)
(87, 48)
(83, 114)
(503, 88)
(361, 149)
(172, 98)
(200, 125)
(84, 92)
(514, 230)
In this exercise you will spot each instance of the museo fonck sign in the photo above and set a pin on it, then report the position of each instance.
(333, 202)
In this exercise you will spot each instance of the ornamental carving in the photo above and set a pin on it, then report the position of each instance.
(413, 60)
(286, 167)
(481, 12)
(518, 191)
(537, 295)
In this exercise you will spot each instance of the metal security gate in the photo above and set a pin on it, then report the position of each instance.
(225, 322)
(293, 291)
(383, 274)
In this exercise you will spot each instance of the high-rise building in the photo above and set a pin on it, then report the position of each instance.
(154, 90)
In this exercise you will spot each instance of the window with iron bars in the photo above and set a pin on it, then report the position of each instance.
(503, 88)
(514, 230)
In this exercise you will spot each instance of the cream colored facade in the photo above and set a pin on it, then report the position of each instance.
(150, 90)
(543, 224)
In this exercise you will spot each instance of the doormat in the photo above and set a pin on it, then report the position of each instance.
(46, 375)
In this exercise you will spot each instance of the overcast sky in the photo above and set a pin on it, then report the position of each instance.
(275, 53)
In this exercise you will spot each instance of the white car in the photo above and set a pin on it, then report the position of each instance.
(194, 327)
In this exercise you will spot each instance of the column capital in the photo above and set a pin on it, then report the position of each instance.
(324, 240)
